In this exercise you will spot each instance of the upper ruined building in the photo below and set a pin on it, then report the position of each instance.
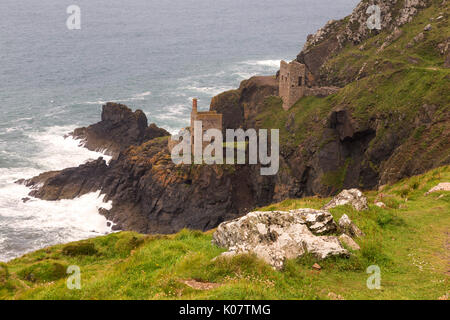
(295, 82)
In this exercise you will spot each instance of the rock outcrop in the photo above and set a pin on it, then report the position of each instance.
(349, 242)
(444, 186)
(348, 227)
(275, 236)
(240, 107)
(333, 37)
(320, 222)
(393, 13)
(69, 183)
(353, 197)
(119, 128)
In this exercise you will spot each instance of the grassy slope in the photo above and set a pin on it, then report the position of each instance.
(400, 80)
(407, 240)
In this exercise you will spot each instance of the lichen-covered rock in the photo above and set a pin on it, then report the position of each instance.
(348, 241)
(353, 197)
(348, 227)
(320, 222)
(380, 205)
(393, 14)
(275, 236)
(443, 186)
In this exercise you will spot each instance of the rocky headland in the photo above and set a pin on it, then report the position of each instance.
(389, 120)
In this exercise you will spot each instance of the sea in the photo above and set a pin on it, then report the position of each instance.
(153, 55)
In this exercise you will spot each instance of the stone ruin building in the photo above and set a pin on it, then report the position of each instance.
(209, 119)
(295, 82)
(292, 81)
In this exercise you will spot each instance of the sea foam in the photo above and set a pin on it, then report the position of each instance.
(33, 224)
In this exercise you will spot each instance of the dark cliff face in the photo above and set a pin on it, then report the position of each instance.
(118, 129)
(155, 196)
(150, 194)
(69, 183)
(240, 107)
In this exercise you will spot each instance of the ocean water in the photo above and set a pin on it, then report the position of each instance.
(148, 54)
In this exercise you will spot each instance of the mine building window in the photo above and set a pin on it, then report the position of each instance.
(300, 79)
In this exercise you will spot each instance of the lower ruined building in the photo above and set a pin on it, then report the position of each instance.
(209, 120)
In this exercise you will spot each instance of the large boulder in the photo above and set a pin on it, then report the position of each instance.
(443, 186)
(275, 236)
(353, 197)
(320, 222)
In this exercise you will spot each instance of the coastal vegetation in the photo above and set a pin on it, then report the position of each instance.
(408, 240)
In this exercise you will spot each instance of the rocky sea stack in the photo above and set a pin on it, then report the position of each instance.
(119, 128)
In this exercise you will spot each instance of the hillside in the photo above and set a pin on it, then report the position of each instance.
(390, 120)
(408, 240)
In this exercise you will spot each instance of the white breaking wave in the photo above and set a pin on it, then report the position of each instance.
(266, 63)
(250, 68)
(144, 94)
(60, 152)
(136, 97)
(34, 224)
(31, 225)
(212, 91)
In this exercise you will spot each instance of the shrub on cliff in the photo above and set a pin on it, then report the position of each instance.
(45, 271)
(79, 249)
(128, 243)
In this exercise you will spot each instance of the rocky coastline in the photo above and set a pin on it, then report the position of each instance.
(341, 148)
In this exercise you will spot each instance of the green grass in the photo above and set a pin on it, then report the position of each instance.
(407, 241)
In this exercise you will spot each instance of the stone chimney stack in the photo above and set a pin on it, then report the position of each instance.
(194, 105)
